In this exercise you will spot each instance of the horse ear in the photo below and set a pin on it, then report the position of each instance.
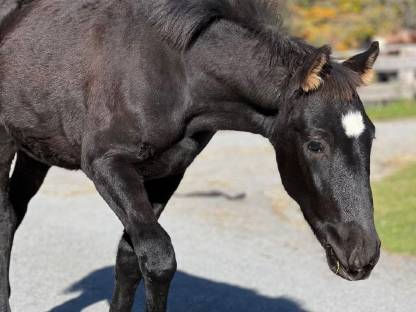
(363, 63)
(311, 72)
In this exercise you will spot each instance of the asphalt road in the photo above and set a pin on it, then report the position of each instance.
(252, 255)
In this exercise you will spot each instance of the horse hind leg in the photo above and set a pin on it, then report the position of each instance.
(28, 176)
(15, 194)
(7, 152)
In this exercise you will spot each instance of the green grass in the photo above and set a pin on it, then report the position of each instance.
(396, 110)
(395, 210)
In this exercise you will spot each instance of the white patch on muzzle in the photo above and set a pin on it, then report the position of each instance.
(353, 124)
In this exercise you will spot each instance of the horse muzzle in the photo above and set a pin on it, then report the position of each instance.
(352, 252)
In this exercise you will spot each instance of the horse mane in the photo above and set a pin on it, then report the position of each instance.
(181, 22)
(11, 11)
(7, 8)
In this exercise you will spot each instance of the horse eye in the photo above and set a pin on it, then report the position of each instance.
(315, 147)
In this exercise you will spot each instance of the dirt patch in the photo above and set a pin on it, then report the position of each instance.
(286, 209)
(391, 165)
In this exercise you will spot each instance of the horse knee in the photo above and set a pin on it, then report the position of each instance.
(157, 260)
(160, 271)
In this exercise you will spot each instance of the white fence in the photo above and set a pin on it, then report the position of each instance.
(396, 76)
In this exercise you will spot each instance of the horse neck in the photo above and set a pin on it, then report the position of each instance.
(234, 86)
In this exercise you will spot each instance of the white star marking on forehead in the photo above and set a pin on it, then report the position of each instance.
(353, 124)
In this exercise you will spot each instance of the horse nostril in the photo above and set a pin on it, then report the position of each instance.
(357, 264)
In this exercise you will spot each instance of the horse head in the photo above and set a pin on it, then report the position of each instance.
(323, 141)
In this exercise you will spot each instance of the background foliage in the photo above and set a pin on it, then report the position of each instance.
(347, 24)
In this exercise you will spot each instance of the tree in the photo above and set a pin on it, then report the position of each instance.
(347, 24)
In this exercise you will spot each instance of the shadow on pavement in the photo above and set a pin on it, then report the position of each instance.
(188, 293)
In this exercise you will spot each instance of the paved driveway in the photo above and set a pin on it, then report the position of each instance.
(252, 255)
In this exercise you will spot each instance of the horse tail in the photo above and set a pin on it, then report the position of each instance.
(9, 12)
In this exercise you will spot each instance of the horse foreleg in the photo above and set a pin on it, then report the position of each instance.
(127, 273)
(120, 184)
(127, 270)
(128, 276)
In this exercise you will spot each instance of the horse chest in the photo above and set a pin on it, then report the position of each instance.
(175, 159)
